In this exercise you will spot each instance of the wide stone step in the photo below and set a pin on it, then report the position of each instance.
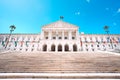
(61, 75)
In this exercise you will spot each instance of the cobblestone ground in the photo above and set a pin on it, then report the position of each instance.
(59, 62)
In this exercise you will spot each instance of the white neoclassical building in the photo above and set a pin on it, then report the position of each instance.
(59, 36)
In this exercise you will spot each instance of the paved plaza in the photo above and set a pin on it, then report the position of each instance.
(59, 62)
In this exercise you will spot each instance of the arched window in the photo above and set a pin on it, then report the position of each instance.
(60, 47)
(45, 47)
(115, 45)
(92, 45)
(26, 49)
(32, 49)
(53, 47)
(97, 45)
(66, 47)
(86, 49)
(74, 47)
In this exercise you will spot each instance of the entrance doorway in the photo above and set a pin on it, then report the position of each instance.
(66, 47)
(74, 47)
(45, 47)
(53, 47)
(59, 47)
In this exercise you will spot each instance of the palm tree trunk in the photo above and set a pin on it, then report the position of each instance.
(8, 40)
(111, 43)
(110, 40)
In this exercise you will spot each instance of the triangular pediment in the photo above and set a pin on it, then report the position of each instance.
(60, 24)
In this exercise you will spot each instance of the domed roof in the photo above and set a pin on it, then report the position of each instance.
(60, 25)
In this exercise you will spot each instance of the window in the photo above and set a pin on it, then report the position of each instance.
(86, 49)
(97, 45)
(54, 37)
(85, 39)
(10, 45)
(46, 38)
(32, 49)
(65, 37)
(60, 37)
(91, 38)
(73, 37)
(15, 44)
(91, 45)
(26, 49)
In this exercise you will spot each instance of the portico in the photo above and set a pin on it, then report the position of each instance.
(60, 36)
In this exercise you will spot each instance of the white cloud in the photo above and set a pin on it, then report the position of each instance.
(88, 1)
(77, 13)
(118, 10)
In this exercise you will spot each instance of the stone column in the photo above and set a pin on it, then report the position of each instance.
(77, 35)
(42, 35)
(62, 35)
(70, 35)
(48, 48)
(63, 48)
(56, 48)
(50, 35)
(56, 35)
(71, 48)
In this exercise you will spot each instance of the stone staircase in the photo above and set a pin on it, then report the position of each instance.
(59, 63)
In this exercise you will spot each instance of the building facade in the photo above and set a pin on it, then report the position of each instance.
(59, 36)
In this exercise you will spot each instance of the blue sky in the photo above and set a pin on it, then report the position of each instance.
(30, 15)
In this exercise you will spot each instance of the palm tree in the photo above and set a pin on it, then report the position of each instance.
(106, 28)
(12, 28)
